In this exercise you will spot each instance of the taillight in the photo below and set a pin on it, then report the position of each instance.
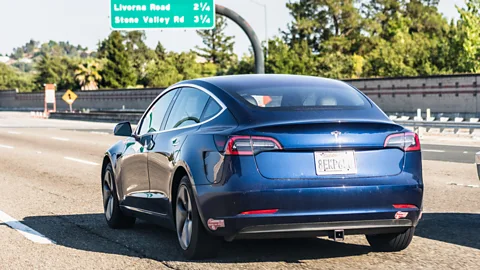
(408, 141)
(250, 145)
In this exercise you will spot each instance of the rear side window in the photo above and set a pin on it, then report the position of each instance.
(211, 110)
(303, 97)
(188, 108)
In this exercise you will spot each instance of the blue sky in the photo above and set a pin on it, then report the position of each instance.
(86, 22)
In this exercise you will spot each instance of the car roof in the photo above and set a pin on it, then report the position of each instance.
(226, 89)
(234, 83)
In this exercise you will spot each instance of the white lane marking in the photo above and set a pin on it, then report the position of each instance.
(26, 231)
(433, 151)
(81, 161)
(60, 139)
(463, 185)
(6, 146)
(99, 132)
(15, 132)
(465, 152)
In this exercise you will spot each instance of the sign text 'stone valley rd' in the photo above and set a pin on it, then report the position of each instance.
(162, 14)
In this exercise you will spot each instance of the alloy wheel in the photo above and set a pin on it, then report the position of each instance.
(184, 217)
(108, 194)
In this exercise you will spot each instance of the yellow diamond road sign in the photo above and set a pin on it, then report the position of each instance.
(69, 97)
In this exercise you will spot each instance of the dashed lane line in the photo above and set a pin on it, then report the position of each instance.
(463, 185)
(60, 139)
(100, 132)
(6, 146)
(81, 161)
(24, 230)
(433, 151)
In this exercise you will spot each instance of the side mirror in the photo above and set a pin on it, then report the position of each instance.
(123, 129)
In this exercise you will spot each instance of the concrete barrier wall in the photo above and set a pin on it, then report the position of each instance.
(132, 99)
(445, 94)
(442, 94)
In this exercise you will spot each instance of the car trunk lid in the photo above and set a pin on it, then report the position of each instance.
(332, 146)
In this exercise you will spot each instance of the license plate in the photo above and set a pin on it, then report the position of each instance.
(338, 162)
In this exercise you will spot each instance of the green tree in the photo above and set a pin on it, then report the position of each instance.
(468, 37)
(405, 38)
(176, 67)
(160, 51)
(309, 24)
(13, 79)
(67, 75)
(48, 71)
(139, 53)
(285, 60)
(118, 71)
(62, 48)
(187, 65)
(57, 70)
(27, 49)
(162, 72)
(88, 75)
(246, 65)
(218, 46)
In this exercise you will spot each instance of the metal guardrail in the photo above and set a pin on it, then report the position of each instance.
(438, 124)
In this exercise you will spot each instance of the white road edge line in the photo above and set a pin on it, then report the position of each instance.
(15, 132)
(81, 161)
(26, 231)
(6, 146)
(433, 151)
(60, 139)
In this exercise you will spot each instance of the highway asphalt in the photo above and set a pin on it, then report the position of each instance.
(50, 182)
(450, 153)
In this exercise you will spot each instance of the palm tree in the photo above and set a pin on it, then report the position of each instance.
(88, 75)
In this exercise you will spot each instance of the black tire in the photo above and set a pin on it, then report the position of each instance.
(202, 244)
(112, 212)
(391, 242)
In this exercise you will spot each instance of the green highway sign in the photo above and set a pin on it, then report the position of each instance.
(162, 14)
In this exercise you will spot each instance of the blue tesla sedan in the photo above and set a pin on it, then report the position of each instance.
(265, 156)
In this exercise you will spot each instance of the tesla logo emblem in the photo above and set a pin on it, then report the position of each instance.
(215, 224)
(400, 215)
(336, 134)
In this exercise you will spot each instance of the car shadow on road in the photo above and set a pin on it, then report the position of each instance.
(454, 228)
(89, 232)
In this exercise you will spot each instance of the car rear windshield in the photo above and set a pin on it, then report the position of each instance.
(304, 97)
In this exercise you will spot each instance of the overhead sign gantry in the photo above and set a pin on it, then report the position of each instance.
(178, 14)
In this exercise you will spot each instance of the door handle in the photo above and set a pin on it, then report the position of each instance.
(175, 142)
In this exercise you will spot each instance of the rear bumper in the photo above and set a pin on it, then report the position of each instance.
(314, 224)
(324, 228)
